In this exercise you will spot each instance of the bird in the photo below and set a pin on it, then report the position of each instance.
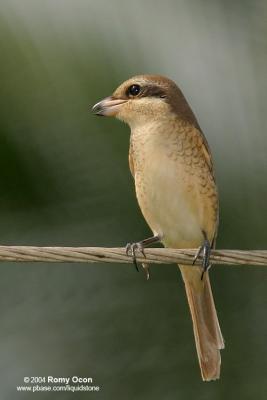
(171, 163)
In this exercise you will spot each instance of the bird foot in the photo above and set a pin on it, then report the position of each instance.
(204, 251)
(131, 249)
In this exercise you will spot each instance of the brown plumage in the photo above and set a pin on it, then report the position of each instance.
(175, 187)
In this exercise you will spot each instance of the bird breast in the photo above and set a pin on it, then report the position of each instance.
(172, 185)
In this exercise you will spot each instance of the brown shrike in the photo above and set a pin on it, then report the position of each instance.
(171, 163)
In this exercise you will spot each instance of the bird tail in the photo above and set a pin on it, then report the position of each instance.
(207, 332)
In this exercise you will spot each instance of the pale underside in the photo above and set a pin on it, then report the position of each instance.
(174, 184)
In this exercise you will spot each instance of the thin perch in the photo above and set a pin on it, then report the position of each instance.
(118, 255)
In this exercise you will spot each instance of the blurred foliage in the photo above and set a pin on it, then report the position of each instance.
(65, 181)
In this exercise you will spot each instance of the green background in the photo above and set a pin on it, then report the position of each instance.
(64, 180)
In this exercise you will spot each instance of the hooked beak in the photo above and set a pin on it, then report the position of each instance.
(108, 107)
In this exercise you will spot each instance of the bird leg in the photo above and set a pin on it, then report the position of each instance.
(131, 249)
(204, 250)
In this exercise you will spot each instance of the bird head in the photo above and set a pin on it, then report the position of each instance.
(142, 98)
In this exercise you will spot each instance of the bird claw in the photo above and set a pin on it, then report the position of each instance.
(146, 268)
(204, 250)
(131, 249)
(198, 252)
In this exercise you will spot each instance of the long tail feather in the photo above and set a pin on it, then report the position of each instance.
(207, 332)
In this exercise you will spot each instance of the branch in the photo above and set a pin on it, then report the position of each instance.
(118, 255)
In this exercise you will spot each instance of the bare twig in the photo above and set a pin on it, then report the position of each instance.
(118, 255)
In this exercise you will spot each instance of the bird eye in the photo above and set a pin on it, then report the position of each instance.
(134, 90)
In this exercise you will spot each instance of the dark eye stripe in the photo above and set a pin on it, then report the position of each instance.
(145, 91)
(154, 91)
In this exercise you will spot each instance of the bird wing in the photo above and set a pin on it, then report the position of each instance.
(208, 160)
(206, 151)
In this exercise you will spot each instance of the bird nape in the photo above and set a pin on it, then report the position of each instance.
(171, 164)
